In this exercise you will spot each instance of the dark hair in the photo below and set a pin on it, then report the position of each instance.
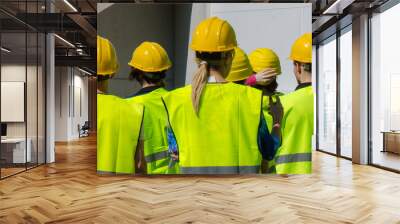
(156, 78)
(101, 78)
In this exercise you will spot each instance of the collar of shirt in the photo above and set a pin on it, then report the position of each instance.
(145, 90)
(212, 79)
(303, 85)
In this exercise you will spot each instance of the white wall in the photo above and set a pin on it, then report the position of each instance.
(70, 84)
(274, 26)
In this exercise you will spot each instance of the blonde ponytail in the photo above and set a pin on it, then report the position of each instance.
(199, 81)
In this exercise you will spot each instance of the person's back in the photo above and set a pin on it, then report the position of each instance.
(295, 154)
(154, 138)
(222, 137)
(118, 129)
(297, 130)
(118, 122)
(149, 65)
(108, 111)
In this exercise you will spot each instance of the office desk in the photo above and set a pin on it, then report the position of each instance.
(391, 142)
(13, 150)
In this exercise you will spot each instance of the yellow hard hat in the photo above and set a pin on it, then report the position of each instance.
(240, 68)
(150, 57)
(107, 62)
(263, 58)
(302, 49)
(213, 35)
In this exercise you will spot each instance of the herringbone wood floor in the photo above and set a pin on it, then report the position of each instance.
(69, 191)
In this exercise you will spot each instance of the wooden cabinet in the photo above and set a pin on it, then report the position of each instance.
(391, 142)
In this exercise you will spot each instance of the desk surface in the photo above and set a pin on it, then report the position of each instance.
(390, 132)
(13, 140)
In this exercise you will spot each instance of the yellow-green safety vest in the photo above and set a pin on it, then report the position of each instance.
(295, 154)
(118, 129)
(222, 138)
(270, 123)
(154, 135)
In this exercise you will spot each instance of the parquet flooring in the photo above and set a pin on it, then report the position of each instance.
(69, 191)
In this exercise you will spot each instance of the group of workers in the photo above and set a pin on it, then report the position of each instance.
(230, 120)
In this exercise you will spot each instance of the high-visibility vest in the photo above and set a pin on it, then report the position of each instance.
(154, 135)
(118, 129)
(295, 154)
(270, 122)
(222, 138)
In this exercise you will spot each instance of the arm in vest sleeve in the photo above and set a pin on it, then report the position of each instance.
(268, 143)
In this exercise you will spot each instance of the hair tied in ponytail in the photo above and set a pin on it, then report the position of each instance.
(203, 63)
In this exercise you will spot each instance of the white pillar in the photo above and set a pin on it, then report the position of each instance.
(50, 93)
(360, 90)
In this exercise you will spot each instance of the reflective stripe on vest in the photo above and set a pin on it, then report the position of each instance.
(291, 158)
(118, 128)
(156, 156)
(294, 155)
(223, 134)
(220, 169)
(154, 136)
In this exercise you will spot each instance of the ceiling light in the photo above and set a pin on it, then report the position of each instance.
(70, 5)
(84, 71)
(64, 40)
(5, 50)
(331, 8)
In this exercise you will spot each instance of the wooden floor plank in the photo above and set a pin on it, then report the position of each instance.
(70, 191)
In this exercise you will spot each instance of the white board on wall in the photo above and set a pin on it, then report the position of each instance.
(12, 101)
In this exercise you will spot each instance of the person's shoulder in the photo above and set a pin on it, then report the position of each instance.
(178, 91)
(104, 96)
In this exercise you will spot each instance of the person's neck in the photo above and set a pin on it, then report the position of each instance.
(217, 75)
(305, 79)
(102, 87)
(145, 85)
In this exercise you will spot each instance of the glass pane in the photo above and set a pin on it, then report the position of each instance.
(13, 87)
(327, 96)
(31, 98)
(385, 84)
(346, 94)
(41, 98)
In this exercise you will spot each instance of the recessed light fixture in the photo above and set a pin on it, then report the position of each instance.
(84, 71)
(70, 5)
(64, 40)
(5, 50)
(337, 7)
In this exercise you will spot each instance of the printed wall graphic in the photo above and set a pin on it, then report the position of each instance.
(204, 89)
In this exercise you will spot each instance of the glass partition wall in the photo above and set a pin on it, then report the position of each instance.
(22, 107)
(385, 90)
(334, 112)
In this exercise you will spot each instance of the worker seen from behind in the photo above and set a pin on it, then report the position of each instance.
(217, 127)
(118, 123)
(294, 156)
(262, 76)
(265, 59)
(149, 64)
